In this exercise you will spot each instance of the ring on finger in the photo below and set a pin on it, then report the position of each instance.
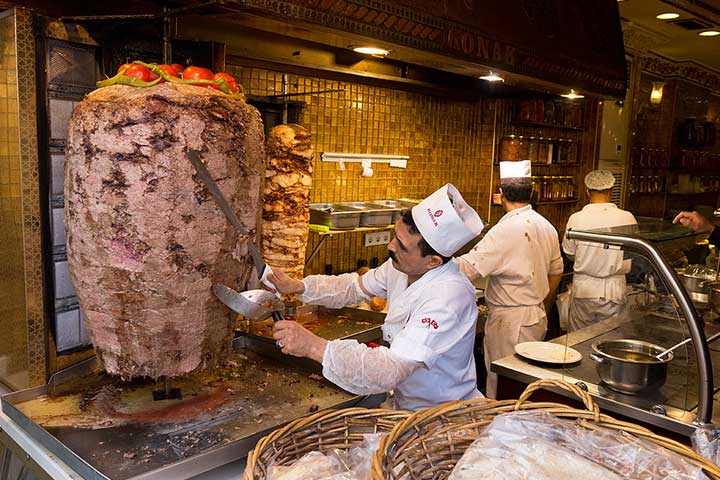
(280, 344)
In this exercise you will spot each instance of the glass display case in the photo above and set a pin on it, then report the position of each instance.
(620, 361)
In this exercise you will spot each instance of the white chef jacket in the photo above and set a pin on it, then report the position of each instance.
(598, 272)
(516, 255)
(432, 321)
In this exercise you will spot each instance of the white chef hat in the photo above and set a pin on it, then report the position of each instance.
(512, 172)
(446, 221)
(599, 180)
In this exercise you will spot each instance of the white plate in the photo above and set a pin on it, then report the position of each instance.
(548, 352)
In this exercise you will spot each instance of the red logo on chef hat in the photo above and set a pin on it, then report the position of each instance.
(433, 216)
(429, 322)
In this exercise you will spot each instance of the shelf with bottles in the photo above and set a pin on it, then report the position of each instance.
(548, 113)
(692, 184)
(550, 189)
(647, 184)
(556, 202)
(539, 150)
(693, 194)
(694, 160)
(649, 157)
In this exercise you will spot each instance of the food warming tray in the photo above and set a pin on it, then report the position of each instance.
(337, 217)
(372, 215)
(106, 429)
(396, 205)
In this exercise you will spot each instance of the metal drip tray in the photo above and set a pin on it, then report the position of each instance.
(107, 429)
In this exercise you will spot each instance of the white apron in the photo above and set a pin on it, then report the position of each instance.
(505, 328)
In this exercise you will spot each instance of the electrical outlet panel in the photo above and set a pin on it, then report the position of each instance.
(377, 238)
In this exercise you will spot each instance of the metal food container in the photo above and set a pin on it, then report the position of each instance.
(630, 366)
(372, 215)
(397, 207)
(335, 216)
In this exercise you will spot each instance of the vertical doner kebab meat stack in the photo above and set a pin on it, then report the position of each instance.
(286, 198)
(145, 240)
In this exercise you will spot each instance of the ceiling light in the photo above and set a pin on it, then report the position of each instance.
(572, 95)
(371, 50)
(492, 78)
(709, 33)
(667, 16)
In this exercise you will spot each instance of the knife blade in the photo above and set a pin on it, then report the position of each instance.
(222, 202)
(255, 305)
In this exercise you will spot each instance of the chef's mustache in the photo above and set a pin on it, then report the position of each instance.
(392, 255)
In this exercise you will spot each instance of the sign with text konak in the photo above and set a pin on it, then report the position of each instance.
(567, 43)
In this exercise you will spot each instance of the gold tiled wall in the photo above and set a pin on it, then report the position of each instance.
(446, 140)
(23, 360)
(13, 340)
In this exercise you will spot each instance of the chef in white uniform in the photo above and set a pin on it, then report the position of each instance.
(598, 288)
(431, 319)
(520, 257)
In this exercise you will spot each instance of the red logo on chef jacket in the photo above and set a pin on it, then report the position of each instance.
(435, 215)
(429, 322)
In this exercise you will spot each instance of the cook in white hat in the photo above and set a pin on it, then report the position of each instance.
(429, 328)
(598, 288)
(520, 258)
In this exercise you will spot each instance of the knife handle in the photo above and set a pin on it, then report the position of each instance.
(276, 316)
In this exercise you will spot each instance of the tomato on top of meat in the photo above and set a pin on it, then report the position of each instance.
(177, 67)
(143, 73)
(169, 70)
(198, 73)
(231, 83)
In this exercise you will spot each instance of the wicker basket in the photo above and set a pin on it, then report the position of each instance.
(428, 444)
(322, 431)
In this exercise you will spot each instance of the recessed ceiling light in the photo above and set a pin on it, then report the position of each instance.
(371, 50)
(709, 33)
(572, 95)
(492, 78)
(667, 16)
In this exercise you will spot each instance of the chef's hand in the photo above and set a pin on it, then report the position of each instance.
(284, 284)
(694, 221)
(294, 339)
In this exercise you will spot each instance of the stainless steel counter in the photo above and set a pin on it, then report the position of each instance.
(100, 428)
(677, 398)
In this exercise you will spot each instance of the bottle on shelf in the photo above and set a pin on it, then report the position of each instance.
(510, 148)
(537, 187)
(539, 113)
(549, 112)
(556, 187)
(562, 151)
(542, 150)
(524, 147)
(546, 189)
(550, 150)
(532, 149)
(572, 151)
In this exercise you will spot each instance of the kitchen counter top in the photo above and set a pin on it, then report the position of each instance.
(677, 398)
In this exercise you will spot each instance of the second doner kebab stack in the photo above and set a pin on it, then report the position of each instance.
(286, 198)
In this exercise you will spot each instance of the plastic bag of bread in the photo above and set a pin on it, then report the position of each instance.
(352, 464)
(538, 446)
(310, 466)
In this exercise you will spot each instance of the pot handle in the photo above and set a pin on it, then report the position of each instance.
(584, 396)
(597, 358)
